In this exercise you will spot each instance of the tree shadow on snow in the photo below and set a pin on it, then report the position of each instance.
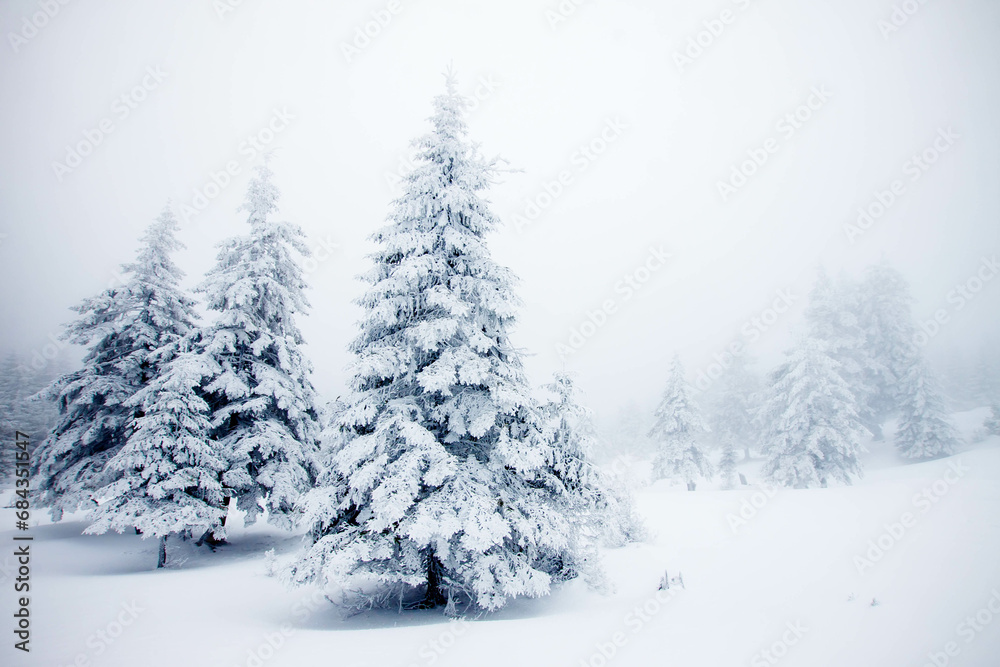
(114, 554)
(315, 612)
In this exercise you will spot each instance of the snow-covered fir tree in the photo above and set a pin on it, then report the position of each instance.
(444, 487)
(832, 316)
(122, 326)
(727, 465)
(676, 431)
(168, 471)
(886, 322)
(732, 416)
(813, 434)
(264, 413)
(925, 429)
(603, 507)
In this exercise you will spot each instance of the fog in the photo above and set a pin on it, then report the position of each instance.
(617, 126)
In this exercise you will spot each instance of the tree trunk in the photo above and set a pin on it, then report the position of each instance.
(691, 486)
(162, 560)
(208, 539)
(225, 503)
(434, 597)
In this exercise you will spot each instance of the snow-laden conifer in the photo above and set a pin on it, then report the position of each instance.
(925, 429)
(677, 430)
(122, 326)
(812, 432)
(441, 483)
(264, 413)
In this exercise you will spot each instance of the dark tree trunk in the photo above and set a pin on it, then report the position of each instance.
(208, 539)
(434, 597)
(162, 560)
(225, 503)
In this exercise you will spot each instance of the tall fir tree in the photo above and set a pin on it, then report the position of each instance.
(832, 315)
(676, 431)
(813, 434)
(264, 412)
(122, 326)
(165, 477)
(925, 430)
(727, 465)
(732, 416)
(441, 485)
(898, 376)
(886, 322)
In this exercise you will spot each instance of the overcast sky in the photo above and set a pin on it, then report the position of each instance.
(666, 120)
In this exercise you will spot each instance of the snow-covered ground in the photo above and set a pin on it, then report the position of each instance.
(793, 574)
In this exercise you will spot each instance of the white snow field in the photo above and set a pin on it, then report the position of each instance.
(790, 581)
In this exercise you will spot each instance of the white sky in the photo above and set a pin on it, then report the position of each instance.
(556, 88)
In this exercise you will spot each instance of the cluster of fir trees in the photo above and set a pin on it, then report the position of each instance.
(856, 365)
(170, 420)
(440, 477)
(21, 378)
